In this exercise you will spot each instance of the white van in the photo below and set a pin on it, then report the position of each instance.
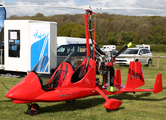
(143, 46)
(108, 48)
(70, 40)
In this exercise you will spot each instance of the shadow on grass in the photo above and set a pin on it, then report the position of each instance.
(164, 87)
(136, 97)
(82, 104)
(79, 104)
(5, 101)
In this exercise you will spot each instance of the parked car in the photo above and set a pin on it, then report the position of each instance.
(135, 52)
(64, 50)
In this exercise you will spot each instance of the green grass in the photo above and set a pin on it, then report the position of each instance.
(139, 106)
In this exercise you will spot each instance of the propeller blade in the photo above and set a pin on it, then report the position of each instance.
(122, 50)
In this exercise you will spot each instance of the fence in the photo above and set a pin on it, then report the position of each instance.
(158, 60)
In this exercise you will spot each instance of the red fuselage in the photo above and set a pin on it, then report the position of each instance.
(30, 88)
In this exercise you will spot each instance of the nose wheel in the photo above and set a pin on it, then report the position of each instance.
(33, 109)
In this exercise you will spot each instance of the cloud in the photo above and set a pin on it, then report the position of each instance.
(21, 11)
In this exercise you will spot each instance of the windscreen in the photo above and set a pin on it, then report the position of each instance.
(42, 66)
(74, 59)
(130, 51)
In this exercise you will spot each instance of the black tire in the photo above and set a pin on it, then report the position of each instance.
(149, 63)
(35, 110)
(70, 101)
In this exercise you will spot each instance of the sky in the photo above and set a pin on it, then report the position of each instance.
(158, 6)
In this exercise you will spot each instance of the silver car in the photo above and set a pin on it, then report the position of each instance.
(134, 54)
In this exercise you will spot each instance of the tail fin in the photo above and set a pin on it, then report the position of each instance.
(158, 84)
(135, 75)
(117, 79)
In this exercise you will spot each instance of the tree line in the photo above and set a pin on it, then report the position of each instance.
(110, 28)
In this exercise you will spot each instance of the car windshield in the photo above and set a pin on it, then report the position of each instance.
(130, 51)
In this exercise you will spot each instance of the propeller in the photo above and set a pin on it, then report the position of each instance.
(122, 50)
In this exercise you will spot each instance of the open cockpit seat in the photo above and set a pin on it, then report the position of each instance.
(57, 78)
(81, 71)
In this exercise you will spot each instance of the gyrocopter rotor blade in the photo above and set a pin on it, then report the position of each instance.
(86, 7)
(51, 6)
(130, 8)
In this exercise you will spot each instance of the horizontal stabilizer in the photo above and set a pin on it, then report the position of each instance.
(158, 84)
(157, 87)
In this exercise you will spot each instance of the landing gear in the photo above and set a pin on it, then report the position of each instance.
(110, 110)
(33, 109)
(70, 101)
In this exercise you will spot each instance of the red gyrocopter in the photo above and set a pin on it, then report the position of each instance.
(67, 84)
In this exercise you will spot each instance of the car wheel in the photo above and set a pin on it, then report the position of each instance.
(149, 63)
(136, 60)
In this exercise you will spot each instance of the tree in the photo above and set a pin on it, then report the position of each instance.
(13, 17)
(65, 30)
(158, 34)
(111, 38)
(103, 28)
(72, 30)
(78, 31)
(127, 37)
(40, 15)
(143, 31)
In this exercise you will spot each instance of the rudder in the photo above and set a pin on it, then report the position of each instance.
(158, 84)
(135, 75)
(117, 79)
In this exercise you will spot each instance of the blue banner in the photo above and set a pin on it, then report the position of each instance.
(38, 50)
(42, 65)
(2, 16)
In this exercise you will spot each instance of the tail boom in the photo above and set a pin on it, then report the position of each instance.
(156, 89)
(135, 79)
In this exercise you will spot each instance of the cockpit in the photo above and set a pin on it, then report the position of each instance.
(52, 81)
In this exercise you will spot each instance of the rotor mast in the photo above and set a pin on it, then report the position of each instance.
(88, 30)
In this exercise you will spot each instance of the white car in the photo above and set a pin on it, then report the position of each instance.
(135, 52)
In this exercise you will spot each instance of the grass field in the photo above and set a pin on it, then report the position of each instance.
(139, 106)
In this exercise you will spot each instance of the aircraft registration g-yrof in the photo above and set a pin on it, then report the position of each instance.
(68, 84)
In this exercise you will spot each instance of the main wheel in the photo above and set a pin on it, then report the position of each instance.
(33, 110)
(70, 101)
